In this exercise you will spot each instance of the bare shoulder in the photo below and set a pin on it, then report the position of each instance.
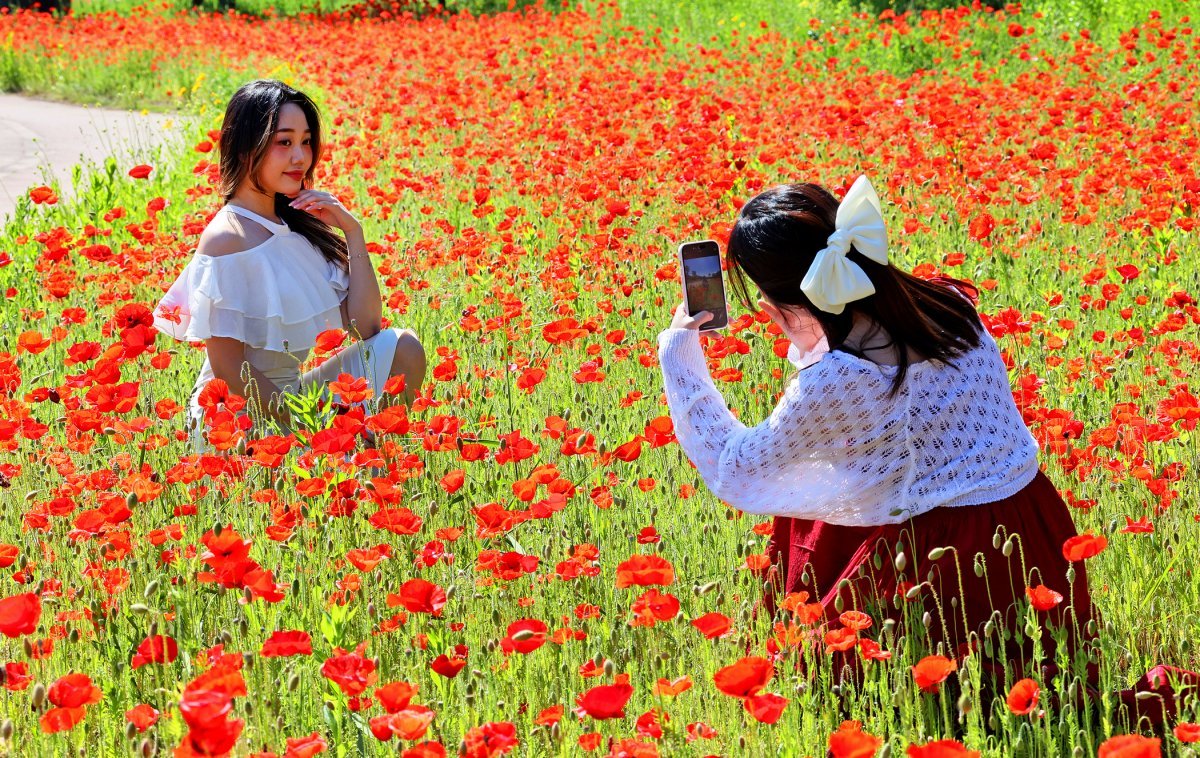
(226, 235)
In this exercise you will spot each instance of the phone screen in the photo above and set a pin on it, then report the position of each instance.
(703, 286)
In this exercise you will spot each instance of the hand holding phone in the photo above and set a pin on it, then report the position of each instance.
(703, 284)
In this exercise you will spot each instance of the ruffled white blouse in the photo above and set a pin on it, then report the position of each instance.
(275, 297)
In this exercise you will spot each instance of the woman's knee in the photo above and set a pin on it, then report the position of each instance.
(409, 358)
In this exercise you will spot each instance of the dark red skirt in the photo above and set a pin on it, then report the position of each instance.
(1018, 542)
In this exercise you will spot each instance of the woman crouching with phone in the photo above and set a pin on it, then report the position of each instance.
(896, 452)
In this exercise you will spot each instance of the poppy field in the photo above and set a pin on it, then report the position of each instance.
(525, 563)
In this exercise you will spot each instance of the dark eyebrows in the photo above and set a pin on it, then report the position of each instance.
(281, 131)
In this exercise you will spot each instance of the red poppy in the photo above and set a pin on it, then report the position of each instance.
(20, 614)
(524, 636)
(140, 171)
(712, 625)
(645, 570)
(1130, 746)
(489, 740)
(931, 671)
(850, 741)
(142, 716)
(285, 643)
(606, 701)
(744, 678)
(446, 666)
(1042, 597)
(665, 688)
(305, 747)
(395, 697)
(767, 707)
(1186, 731)
(157, 649)
(421, 596)
(1083, 546)
(352, 672)
(941, 749)
(1023, 697)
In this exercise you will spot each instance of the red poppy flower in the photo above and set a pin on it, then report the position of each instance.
(744, 678)
(421, 596)
(142, 716)
(395, 696)
(645, 570)
(157, 649)
(305, 747)
(931, 671)
(1023, 697)
(524, 636)
(1042, 597)
(140, 171)
(712, 625)
(606, 701)
(20, 614)
(767, 707)
(850, 741)
(1130, 746)
(1186, 731)
(285, 643)
(489, 740)
(352, 672)
(1083, 546)
(941, 749)
(665, 688)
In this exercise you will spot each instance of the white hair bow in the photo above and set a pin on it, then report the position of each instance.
(832, 279)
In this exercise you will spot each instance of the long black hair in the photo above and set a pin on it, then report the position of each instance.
(250, 122)
(777, 235)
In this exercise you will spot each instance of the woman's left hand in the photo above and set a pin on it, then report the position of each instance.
(684, 321)
(325, 207)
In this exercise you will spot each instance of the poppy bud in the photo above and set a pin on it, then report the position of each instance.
(1007, 549)
(964, 703)
(901, 561)
(996, 539)
(217, 529)
(130, 730)
(926, 620)
(38, 697)
(139, 608)
(937, 553)
(837, 603)
(610, 668)
(1071, 575)
(1077, 752)
(877, 561)
(131, 500)
(979, 570)
(555, 732)
(6, 730)
(886, 751)
(912, 592)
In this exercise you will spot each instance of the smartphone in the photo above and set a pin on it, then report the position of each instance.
(703, 285)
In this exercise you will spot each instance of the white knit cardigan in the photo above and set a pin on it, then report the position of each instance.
(838, 448)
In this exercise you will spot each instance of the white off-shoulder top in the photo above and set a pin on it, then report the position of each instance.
(275, 297)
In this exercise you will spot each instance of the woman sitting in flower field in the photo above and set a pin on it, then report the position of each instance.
(897, 466)
(269, 273)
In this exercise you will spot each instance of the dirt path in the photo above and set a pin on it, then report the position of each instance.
(40, 140)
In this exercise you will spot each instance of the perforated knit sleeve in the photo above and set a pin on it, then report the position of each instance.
(771, 468)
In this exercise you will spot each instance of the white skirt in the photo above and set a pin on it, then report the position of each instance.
(370, 359)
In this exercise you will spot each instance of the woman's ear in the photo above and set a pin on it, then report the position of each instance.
(781, 316)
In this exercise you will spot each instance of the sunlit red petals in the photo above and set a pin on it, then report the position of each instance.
(745, 678)
(850, 741)
(931, 671)
(353, 673)
(645, 570)
(157, 649)
(1043, 598)
(70, 694)
(941, 749)
(1084, 546)
(605, 701)
(286, 643)
(524, 636)
(1130, 746)
(1023, 697)
(1187, 731)
(19, 614)
(712, 625)
(142, 716)
(767, 707)
(490, 740)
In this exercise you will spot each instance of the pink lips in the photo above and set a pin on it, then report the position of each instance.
(297, 175)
